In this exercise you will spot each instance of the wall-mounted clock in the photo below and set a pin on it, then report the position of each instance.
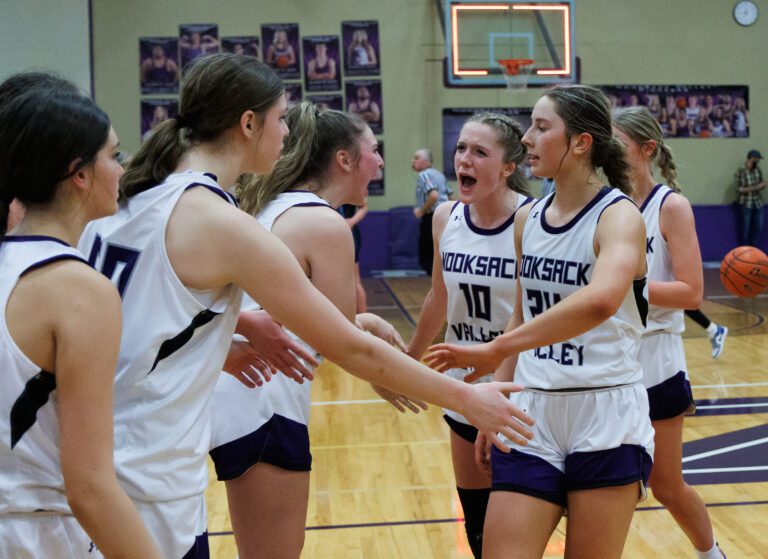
(745, 12)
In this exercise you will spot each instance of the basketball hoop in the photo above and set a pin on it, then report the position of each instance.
(517, 72)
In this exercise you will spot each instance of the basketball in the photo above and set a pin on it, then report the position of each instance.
(282, 61)
(744, 271)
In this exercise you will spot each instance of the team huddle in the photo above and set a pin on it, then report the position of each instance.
(144, 313)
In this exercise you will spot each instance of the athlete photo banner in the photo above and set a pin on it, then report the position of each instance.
(329, 101)
(280, 44)
(293, 93)
(155, 111)
(322, 71)
(158, 64)
(196, 40)
(364, 100)
(247, 45)
(361, 48)
(376, 186)
(689, 111)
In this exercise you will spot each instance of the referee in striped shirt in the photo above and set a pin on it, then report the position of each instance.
(431, 190)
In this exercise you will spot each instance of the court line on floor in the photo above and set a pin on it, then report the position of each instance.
(730, 406)
(398, 303)
(453, 520)
(734, 385)
(725, 449)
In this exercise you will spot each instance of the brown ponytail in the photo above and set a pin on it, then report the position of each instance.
(638, 123)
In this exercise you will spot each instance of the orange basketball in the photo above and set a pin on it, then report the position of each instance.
(282, 61)
(744, 271)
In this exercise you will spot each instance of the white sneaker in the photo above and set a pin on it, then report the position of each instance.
(718, 341)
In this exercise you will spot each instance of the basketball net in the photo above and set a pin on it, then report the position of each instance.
(516, 72)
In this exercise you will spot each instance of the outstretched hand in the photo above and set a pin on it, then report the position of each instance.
(245, 365)
(399, 401)
(374, 324)
(481, 359)
(488, 408)
(275, 347)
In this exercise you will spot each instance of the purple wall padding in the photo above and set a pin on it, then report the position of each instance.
(375, 252)
(717, 228)
(390, 238)
(404, 238)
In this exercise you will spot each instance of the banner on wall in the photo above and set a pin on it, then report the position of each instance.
(331, 101)
(361, 48)
(689, 111)
(293, 93)
(281, 49)
(321, 63)
(364, 100)
(454, 119)
(247, 45)
(155, 111)
(196, 40)
(158, 64)
(376, 186)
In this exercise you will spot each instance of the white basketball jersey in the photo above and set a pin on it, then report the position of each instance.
(30, 463)
(174, 344)
(659, 262)
(280, 395)
(556, 262)
(480, 275)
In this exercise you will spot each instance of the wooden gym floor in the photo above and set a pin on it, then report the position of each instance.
(382, 484)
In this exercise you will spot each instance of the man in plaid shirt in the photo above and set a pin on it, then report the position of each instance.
(751, 184)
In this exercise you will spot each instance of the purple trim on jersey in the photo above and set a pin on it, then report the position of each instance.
(671, 398)
(51, 260)
(211, 176)
(495, 231)
(216, 190)
(232, 199)
(454, 207)
(34, 396)
(534, 476)
(32, 238)
(564, 228)
(281, 442)
(172, 345)
(612, 467)
(665, 198)
(464, 430)
(612, 202)
(308, 204)
(199, 549)
(527, 474)
(650, 197)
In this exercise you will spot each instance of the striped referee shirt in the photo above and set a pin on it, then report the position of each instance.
(428, 180)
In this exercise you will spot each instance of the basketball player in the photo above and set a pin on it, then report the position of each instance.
(260, 438)
(59, 333)
(577, 322)
(476, 299)
(676, 281)
(179, 250)
(280, 53)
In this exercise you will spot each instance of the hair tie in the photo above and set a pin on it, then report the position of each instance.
(182, 122)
